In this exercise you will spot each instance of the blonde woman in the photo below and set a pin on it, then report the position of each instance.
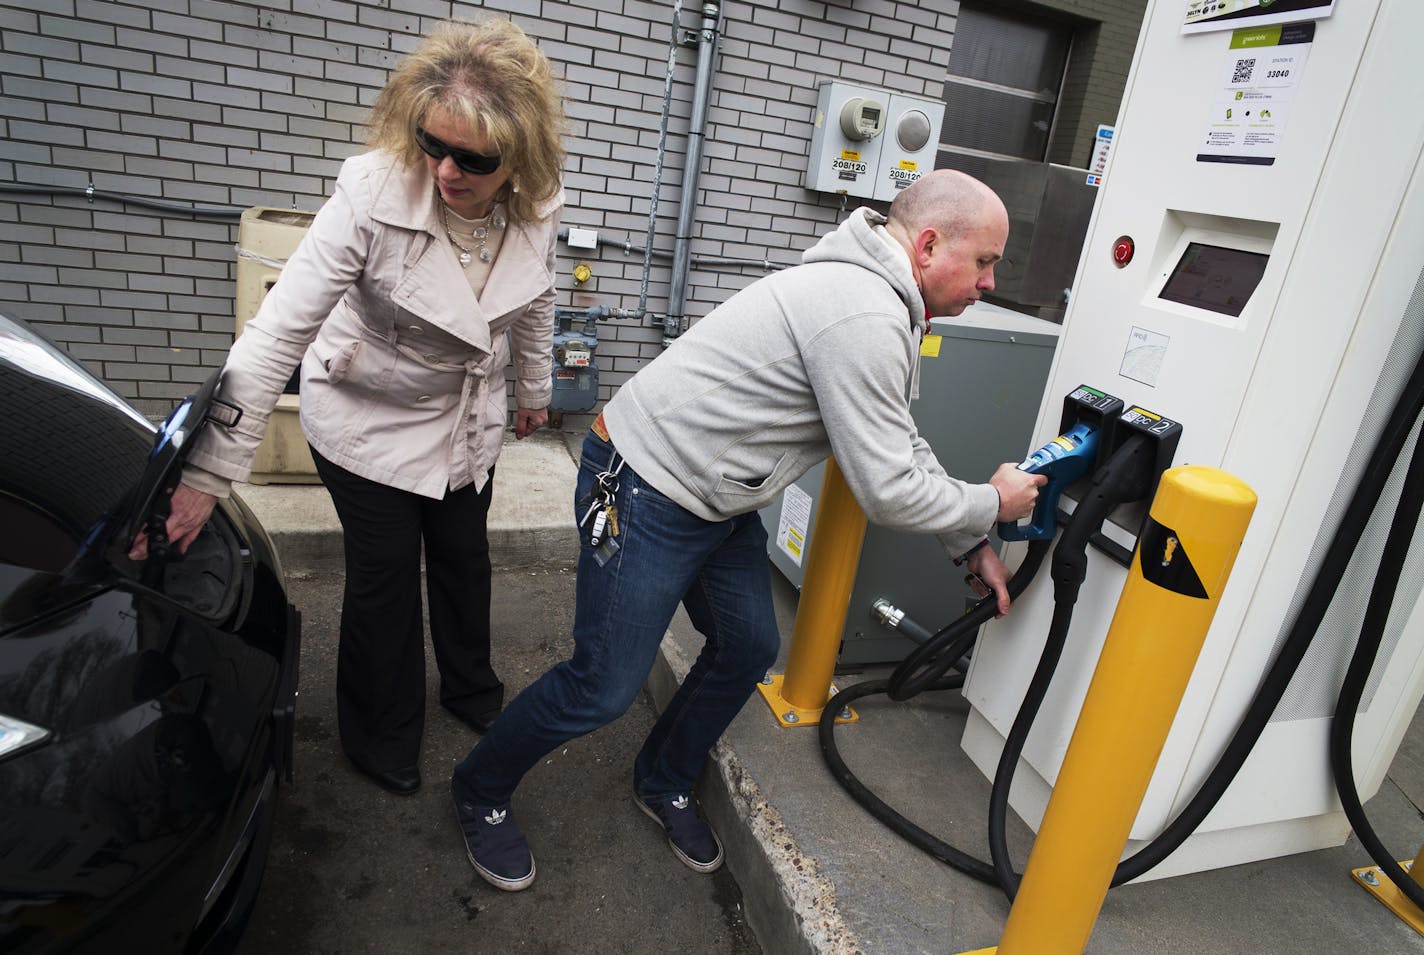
(432, 261)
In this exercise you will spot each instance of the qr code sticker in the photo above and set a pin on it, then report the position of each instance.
(1243, 72)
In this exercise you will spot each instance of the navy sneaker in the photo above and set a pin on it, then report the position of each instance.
(495, 846)
(691, 838)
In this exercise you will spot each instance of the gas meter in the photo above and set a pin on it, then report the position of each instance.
(575, 371)
(574, 353)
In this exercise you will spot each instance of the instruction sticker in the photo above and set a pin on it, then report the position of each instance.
(1142, 358)
(1262, 69)
(1204, 15)
(795, 519)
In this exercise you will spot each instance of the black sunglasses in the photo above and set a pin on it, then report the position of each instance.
(472, 163)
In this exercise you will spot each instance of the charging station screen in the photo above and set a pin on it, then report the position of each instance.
(1215, 278)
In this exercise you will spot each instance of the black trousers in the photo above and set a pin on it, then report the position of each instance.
(380, 669)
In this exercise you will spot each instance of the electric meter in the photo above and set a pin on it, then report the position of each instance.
(846, 139)
(912, 132)
(911, 144)
(862, 118)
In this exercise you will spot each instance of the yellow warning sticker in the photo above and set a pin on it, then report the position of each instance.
(852, 154)
(909, 165)
(795, 543)
(929, 346)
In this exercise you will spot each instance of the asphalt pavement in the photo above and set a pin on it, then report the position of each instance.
(354, 869)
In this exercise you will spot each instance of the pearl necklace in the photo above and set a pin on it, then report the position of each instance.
(481, 233)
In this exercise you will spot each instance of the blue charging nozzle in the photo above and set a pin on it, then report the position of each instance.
(1089, 416)
(1063, 460)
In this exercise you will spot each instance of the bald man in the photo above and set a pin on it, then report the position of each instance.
(818, 359)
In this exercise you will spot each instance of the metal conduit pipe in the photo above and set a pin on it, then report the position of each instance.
(629, 248)
(687, 208)
(90, 193)
(658, 167)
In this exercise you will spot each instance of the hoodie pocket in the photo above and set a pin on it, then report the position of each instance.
(734, 496)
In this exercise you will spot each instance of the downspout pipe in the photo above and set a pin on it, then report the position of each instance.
(707, 37)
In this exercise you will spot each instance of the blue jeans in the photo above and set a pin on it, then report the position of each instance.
(720, 573)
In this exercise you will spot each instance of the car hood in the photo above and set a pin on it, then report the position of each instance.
(80, 469)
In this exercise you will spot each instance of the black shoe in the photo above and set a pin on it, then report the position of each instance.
(495, 846)
(480, 722)
(691, 839)
(402, 782)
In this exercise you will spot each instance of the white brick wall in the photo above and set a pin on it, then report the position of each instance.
(256, 102)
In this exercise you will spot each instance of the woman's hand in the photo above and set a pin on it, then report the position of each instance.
(188, 512)
(529, 420)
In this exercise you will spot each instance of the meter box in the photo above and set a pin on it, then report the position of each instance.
(911, 144)
(871, 143)
(846, 139)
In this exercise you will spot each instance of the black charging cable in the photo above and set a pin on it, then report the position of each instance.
(1124, 477)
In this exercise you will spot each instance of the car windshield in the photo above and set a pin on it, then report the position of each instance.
(71, 452)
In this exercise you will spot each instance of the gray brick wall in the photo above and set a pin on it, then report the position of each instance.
(1104, 39)
(1104, 43)
(256, 102)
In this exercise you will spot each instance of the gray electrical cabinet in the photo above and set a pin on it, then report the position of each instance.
(981, 383)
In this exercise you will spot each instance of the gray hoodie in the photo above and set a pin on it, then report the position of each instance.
(814, 360)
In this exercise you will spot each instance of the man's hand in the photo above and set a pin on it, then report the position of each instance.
(1018, 491)
(987, 574)
(529, 420)
(188, 512)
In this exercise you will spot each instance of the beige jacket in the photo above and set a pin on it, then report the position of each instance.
(402, 369)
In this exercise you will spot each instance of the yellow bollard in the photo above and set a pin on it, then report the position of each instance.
(798, 698)
(1184, 556)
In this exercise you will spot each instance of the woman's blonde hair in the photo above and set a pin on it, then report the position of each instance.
(491, 76)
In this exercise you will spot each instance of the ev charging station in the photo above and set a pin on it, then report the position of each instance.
(1254, 269)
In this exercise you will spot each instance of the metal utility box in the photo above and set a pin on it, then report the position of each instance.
(911, 143)
(870, 143)
(266, 238)
(981, 382)
(1049, 207)
(847, 133)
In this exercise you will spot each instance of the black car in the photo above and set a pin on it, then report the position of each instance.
(145, 707)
